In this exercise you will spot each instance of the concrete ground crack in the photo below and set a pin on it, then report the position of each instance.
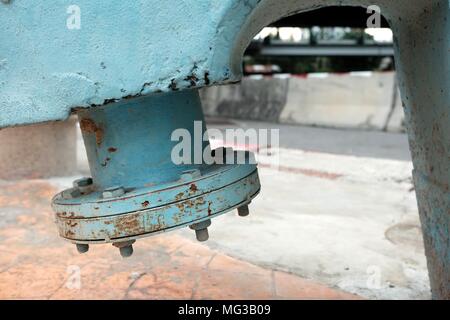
(132, 283)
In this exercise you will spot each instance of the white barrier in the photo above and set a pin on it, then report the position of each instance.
(364, 100)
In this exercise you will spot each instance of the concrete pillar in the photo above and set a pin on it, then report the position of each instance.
(38, 151)
(424, 67)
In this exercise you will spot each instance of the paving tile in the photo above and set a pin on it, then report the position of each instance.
(36, 264)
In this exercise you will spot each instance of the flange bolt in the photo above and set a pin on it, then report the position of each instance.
(201, 230)
(84, 185)
(113, 192)
(126, 248)
(83, 182)
(82, 248)
(243, 211)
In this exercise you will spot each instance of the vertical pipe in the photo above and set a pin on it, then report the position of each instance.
(129, 143)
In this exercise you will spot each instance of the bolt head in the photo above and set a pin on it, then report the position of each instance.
(127, 251)
(202, 235)
(243, 211)
(125, 248)
(113, 192)
(83, 185)
(200, 225)
(83, 182)
(82, 248)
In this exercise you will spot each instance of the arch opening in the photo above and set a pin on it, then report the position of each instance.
(326, 167)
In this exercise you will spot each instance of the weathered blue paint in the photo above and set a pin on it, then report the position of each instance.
(133, 48)
(124, 48)
(129, 146)
(162, 217)
(130, 141)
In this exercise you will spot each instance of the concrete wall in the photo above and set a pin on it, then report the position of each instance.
(38, 151)
(362, 100)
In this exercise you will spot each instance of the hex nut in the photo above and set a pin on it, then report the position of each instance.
(201, 230)
(82, 248)
(84, 185)
(83, 182)
(113, 192)
(200, 225)
(125, 248)
(243, 211)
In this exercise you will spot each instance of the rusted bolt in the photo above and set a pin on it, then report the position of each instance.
(190, 175)
(126, 248)
(82, 248)
(84, 185)
(127, 251)
(201, 230)
(243, 211)
(113, 192)
(83, 182)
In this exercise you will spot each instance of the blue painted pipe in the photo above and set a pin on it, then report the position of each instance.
(129, 143)
(139, 187)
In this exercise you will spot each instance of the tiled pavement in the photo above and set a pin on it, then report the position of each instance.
(36, 264)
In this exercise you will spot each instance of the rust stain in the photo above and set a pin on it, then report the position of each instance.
(193, 188)
(145, 204)
(65, 215)
(68, 234)
(112, 150)
(71, 223)
(127, 225)
(160, 225)
(209, 209)
(89, 126)
(180, 206)
(179, 196)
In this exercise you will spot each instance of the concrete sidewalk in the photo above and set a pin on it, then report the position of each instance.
(36, 264)
(349, 222)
